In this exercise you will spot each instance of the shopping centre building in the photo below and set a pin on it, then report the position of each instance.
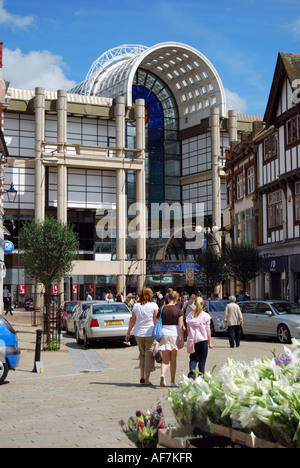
(132, 156)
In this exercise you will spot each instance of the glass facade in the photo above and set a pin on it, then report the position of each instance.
(163, 149)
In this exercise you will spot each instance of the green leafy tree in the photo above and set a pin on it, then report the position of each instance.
(211, 265)
(244, 262)
(48, 251)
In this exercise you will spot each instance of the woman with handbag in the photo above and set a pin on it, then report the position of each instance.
(172, 336)
(143, 314)
(199, 337)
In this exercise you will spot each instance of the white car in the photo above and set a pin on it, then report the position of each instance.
(103, 321)
(216, 310)
(271, 318)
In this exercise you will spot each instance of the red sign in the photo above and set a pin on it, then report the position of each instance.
(75, 288)
(22, 289)
(91, 288)
(55, 289)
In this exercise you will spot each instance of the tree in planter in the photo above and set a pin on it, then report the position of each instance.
(244, 262)
(211, 265)
(48, 251)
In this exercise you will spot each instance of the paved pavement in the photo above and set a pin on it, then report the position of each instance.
(82, 394)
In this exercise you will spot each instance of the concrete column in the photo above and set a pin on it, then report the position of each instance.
(215, 155)
(232, 125)
(121, 228)
(119, 111)
(39, 106)
(62, 189)
(141, 193)
(139, 113)
(142, 233)
(61, 107)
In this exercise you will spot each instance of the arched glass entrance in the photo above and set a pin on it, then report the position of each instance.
(163, 149)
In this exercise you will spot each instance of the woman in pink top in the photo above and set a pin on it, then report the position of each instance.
(199, 337)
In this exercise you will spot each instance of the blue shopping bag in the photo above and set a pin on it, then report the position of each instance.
(157, 330)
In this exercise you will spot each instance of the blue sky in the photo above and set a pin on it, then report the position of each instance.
(54, 44)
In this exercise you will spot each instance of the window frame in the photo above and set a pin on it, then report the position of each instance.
(297, 202)
(270, 147)
(275, 215)
(250, 179)
(291, 141)
(239, 186)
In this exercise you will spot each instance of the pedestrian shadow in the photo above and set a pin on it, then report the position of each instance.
(125, 384)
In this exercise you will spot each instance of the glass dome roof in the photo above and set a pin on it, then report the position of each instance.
(190, 76)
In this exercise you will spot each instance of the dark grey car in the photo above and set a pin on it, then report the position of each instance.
(272, 318)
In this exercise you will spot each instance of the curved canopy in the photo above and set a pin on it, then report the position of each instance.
(191, 77)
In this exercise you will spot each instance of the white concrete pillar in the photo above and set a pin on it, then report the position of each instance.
(62, 188)
(121, 228)
(215, 155)
(61, 107)
(119, 111)
(141, 193)
(232, 125)
(39, 107)
(139, 114)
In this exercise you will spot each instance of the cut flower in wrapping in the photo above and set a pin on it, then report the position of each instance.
(263, 397)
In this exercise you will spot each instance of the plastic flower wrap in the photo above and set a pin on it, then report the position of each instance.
(261, 397)
(143, 429)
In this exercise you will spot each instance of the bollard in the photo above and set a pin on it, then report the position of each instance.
(38, 344)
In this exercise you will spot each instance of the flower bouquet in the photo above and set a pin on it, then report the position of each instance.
(143, 429)
(262, 397)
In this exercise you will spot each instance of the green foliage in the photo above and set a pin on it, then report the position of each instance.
(48, 250)
(212, 267)
(243, 261)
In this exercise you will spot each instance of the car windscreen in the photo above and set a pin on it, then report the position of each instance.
(217, 306)
(288, 308)
(110, 309)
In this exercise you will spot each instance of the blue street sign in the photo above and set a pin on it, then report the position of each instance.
(8, 246)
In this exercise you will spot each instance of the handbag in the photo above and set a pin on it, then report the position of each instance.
(157, 354)
(157, 330)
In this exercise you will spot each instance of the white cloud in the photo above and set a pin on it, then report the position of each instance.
(27, 71)
(235, 102)
(14, 20)
(296, 27)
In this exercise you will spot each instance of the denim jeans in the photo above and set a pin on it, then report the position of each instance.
(234, 335)
(199, 356)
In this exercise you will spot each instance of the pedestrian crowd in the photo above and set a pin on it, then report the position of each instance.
(181, 318)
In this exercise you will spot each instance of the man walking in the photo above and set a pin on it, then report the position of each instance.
(233, 318)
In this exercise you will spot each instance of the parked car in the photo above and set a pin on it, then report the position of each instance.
(279, 319)
(72, 318)
(9, 351)
(65, 309)
(216, 310)
(103, 321)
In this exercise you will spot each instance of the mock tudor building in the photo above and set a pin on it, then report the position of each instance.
(148, 126)
(279, 183)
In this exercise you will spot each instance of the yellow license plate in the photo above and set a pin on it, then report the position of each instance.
(114, 322)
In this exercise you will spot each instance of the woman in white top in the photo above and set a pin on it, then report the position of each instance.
(142, 320)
